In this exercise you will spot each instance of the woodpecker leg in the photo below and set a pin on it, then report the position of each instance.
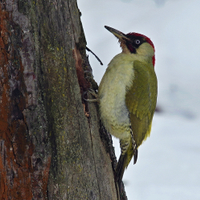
(93, 93)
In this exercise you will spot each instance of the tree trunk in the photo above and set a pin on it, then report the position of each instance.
(51, 143)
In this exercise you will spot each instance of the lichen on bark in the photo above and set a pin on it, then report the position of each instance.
(49, 136)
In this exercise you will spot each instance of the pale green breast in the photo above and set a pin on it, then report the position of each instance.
(112, 91)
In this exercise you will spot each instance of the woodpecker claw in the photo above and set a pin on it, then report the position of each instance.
(93, 93)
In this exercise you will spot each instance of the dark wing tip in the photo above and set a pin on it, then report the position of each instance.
(135, 156)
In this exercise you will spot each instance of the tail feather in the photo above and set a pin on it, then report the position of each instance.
(121, 167)
(126, 157)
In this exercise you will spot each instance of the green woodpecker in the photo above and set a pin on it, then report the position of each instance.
(128, 95)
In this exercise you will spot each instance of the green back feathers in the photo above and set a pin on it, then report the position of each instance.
(141, 99)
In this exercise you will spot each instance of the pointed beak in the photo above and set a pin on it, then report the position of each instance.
(118, 34)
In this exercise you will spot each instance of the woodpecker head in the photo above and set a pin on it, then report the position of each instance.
(134, 43)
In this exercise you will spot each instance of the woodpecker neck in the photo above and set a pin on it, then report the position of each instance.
(145, 52)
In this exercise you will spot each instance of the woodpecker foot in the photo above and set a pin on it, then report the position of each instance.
(93, 93)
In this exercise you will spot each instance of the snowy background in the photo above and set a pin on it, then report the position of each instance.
(168, 166)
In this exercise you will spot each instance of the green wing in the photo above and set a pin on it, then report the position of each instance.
(141, 100)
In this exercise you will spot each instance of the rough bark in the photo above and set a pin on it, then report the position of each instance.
(50, 145)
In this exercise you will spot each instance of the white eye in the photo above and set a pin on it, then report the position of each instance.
(137, 41)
